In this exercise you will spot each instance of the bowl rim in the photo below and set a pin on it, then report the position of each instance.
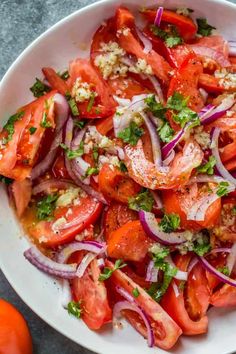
(14, 64)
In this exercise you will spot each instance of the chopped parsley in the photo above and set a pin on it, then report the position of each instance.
(177, 102)
(74, 308)
(208, 167)
(91, 101)
(202, 246)
(142, 201)
(39, 88)
(165, 131)
(222, 189)
(6, 180)
(73, 105)
(95, 153)
(46, 206)
(32, 130)
(9, 126)
(65, 75)
(122, 166)
(91, 171)
(44, 122)
(79, 123)
(131, 134)
(169, 273)
(136, 292)
(107, 272)
(72, 154)
(171, 36)
(158, 257)
(204, 29)
(224, 270)
(169, 222)
(181, 113)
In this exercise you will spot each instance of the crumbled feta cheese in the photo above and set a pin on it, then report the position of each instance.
(82, 91)
(105, 142)
(59, 222)
(202, 137)
(141, 67)
(110, 159)
(125, 31)
(68, 197)
(227, 79)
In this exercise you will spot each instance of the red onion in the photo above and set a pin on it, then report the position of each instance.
(121, 101)
(158, 17)
(145, 41)
(169, 147)
(211, 53)
(156, 146)
(214, 113)
(157, 199)
(175, 288)
(180, 275)
(49, 185)
(90, 246)
(219, 165)
(151, 227)
(204, 94)
(219, 250)
(157, 87)
(62, 111)
(88, 258)
(126, 305)
(101, 263)
(169, 158)
(231, 258)
(206, 179)
(152, 273)
(215, 272)
(40, 261)
(125, 294)
(192, 264)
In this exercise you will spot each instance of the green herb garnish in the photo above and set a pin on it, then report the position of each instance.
(91, 101)
(204, 29)
(169, 222)
(202, 246)
(131, 134)
(224, 270)
(171, 37)
(91, 171)
(32, 130)
(44, 122)
(46, 206)
(9, 126)
(65, 75)
(181, 113)
(6, 180)
(165, 131)
(208, 167)
(73, 105)
(72, 154)
(157, 108)
(122, 167)
(79, 123)
(222, 189)
(39, 88)
(136, 292)
(143, 201)
(107, 272)
(74, 308)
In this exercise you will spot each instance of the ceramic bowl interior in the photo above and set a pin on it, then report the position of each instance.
(68, 39)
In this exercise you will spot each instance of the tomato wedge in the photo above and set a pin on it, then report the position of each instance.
(185, 25)
(93, 296)
(85, 214)
(166, 331)
(224, 297)
(55, 81)
(129, 242)
(116, 185)
(21, 191)
(176, 308)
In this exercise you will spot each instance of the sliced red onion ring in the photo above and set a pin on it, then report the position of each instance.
(151, 227)
(49, 185)
(90, 246)
(62, 111)
(147, 44)
(157, 199)
(125, 294)
(180, 275)
(204, 94)
(152, 273)
(158, 17)
(215, 272)
(214, 113)
(219, 165)
(156, 146)
(40, 261)
(198, 210)
(126, 305)
(175, 288)
(219, 250)
(157, 87)
(79, 165)
(206, 179)
(88, 258)
(101, 263)
(211, 53)
(167, 148)
(123, 102)
(169, 158)
(231, 258)
(192, 264)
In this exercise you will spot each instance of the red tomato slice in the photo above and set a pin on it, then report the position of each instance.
(93, 296)
(217, 43)
(116, 185)
(185, 25)
(59, 169)
(212, 84)
(166, 331)
(127, 88)
(116, 216)
(104, 104)
(86, 213)
(55, 81)
(175, 306)
(129, 242)
(21, 191)
(224, 297)
(226, 230)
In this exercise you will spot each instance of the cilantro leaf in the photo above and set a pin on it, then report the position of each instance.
(173, 41)
(46, 206)
(177, 102)
(165, 131)
(107, 272)
(92, 171)
(32, 130)
(143, 201)
(95, 153)
(6, 180)
(170, 36)
(222, 189)
(224, 270)
(169, 222)
(9, 126)
(73, 105)
(74, 308)
(186, 115)
(204, 28)
(39, 88)
(136, 292)
(202, 246)
(208, 167)
(44, 122)
(91, 101)
(64, 75)
(72, 154)
(157, 108)
(131, 134)
(158, 258)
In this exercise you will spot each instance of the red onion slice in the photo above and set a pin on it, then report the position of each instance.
(88, 258)
(219, 165)
(125, 294)
(169, 147)
(62, 111)
(51, 184)
(231, 258)
(45, 264)
(180, 275)
(158, 17)
(169, 158)
(157, 87)
(215, 272)
(156, 146)
(152, 273)
(147, 44)
(211, 53)
(90, 246)
(157, 199)
(175, 288)
(219, 250)
(214, 113)
(192, 264)
(151, 227)
(126, 305)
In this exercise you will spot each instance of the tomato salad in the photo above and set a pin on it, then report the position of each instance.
(123, 174)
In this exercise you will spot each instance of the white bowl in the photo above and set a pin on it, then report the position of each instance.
(56, 48)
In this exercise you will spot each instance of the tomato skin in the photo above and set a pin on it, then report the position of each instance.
(175, 306)
(89, 211)
(93, 296)
(211, 84)
(116, 216)
(55, 81)
(21, 191)
(129, 242)
(166, 331)
(116, 185)
(226, 228)
(14, 333)
(186, 26)
(224, 297)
